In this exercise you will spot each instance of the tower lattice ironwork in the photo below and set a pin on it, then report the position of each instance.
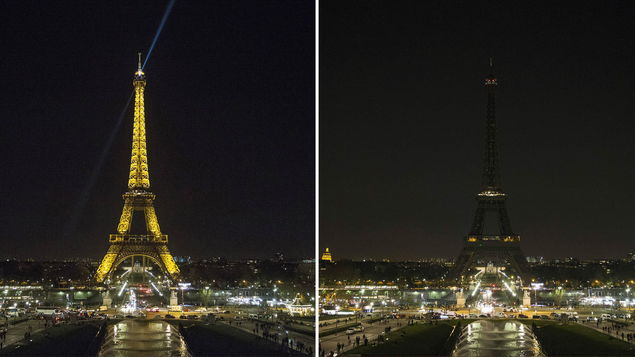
(153, 244)
(491, 238)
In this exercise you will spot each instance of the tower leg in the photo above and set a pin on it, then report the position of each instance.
(107, 263)
(126, 218)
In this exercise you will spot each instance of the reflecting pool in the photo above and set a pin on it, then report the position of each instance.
(138, 337)
(497, 338)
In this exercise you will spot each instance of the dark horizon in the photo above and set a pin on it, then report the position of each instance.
(402, 119)
(336, 258)
(230, 124)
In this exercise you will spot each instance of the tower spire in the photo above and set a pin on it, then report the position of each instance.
(139, 63)
(491, 169)
(139, 177)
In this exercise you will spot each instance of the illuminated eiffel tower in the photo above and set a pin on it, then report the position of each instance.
(153, 244)
(491, 240)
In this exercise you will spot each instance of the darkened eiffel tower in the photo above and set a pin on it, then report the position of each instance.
(491, 238)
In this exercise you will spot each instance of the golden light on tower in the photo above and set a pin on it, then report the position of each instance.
(139, 176)
(153, 244)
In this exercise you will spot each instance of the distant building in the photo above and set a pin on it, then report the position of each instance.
(535, 259)
(326, 256)
(301, 307)
(183, 259)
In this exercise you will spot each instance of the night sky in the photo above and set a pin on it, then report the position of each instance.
(402, 121)
(230, 108)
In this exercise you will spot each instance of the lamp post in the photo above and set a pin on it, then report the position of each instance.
(183, 287)
(536, 287)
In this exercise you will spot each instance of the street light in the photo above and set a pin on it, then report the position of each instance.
(536, 287)
(183, 287)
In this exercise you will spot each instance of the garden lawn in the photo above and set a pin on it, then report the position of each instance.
(558, 339)
(577, 340)
(331, 317)
(414, 340)
(222, 340)
(64, 340)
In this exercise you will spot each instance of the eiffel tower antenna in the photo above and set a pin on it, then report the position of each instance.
(151, 246)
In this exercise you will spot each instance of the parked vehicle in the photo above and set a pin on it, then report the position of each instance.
(47, 310)
(355, 329)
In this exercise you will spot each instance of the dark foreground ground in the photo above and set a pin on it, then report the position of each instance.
(556, 339)
(216, 339)
(64, 340)
(203, 339)
(571, 339)
(415, 340)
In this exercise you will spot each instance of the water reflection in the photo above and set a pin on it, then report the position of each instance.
(497, 338)
(132, 338)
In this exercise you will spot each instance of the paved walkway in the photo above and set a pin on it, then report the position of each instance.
(329, 343)
(249, 326)
(15, 333)
(613, 332)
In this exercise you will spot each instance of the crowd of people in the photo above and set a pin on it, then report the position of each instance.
(619, 330)
(358, 341)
